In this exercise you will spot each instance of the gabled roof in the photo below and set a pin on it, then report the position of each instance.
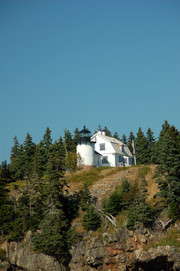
(115, 144)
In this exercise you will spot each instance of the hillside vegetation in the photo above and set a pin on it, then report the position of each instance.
(42, 191)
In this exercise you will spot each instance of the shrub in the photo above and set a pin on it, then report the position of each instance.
(2, 255)
(91, 219)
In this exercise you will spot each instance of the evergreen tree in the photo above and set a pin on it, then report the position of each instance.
(43, 151)
(141, 146)
(85, 197)
(151, 141)
(69, 142)
(6, 206)
(116, 136)
(53, 238)
(62, 150)
(14, 155)
(91, 219)
(47, 140)
(19, 164)
(124, 139)
(29, 150)
(169, 167)
(159, 144)
(107, 131)
(140, 211)
(76, 136)
(41, 158)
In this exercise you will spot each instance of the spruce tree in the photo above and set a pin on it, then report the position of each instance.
(19, 164)
(29, 150)
(116, 136)
(168, 170)
(141, 147)
(76, 136)
(140, 211)
(107, 131)
(91, 219)
(47, 140)
(124, 139)
(69, 142)
(151, 141)
(41, 158)
(53, 238)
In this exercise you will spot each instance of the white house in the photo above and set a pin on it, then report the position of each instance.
(102, 150)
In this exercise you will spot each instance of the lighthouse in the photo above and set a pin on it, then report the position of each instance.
(85, 148)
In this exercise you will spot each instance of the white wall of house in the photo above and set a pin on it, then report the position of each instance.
(86, 152)
(105, 148)
(97, 160)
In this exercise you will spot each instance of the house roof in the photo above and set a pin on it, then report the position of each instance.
(97, 153)
(115, 144)
(117, 149)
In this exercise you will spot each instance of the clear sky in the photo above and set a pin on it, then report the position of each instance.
(69, 63)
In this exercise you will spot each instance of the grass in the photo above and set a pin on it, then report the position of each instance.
(87, 176)
(92, 175)
(172, 238)
(143, 171)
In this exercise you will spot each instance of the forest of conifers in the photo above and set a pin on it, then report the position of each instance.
(44, 206)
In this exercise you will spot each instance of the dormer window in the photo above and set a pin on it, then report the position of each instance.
(102, 146)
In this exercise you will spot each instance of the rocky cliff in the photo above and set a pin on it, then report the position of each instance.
(124, 250)
(21, 255)
(121, 250)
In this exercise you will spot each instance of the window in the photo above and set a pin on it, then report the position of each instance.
(104, 160)
(125, 160)
(102, 146)
(120, 159)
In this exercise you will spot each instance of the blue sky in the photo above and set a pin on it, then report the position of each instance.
(65, 64)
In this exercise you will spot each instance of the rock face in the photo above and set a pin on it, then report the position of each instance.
(22, 255)
(122, 251)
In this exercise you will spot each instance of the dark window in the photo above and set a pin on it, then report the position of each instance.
(104, 160)
(120, 159)
(102, 147)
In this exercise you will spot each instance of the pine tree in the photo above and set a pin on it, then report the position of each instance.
(6, 206)
(47, 140)
(29, 150)
(141, 146)
(76, 136)
(169, 167)
(41, 158)
(151, 141)
(19, 164)
(91, 219)
(124, 139)
(15, 148)
(116, 136)
(140, 211)
(43, 151)
(69, 142)
(85, 197)
(107, 131)
(53, 238)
